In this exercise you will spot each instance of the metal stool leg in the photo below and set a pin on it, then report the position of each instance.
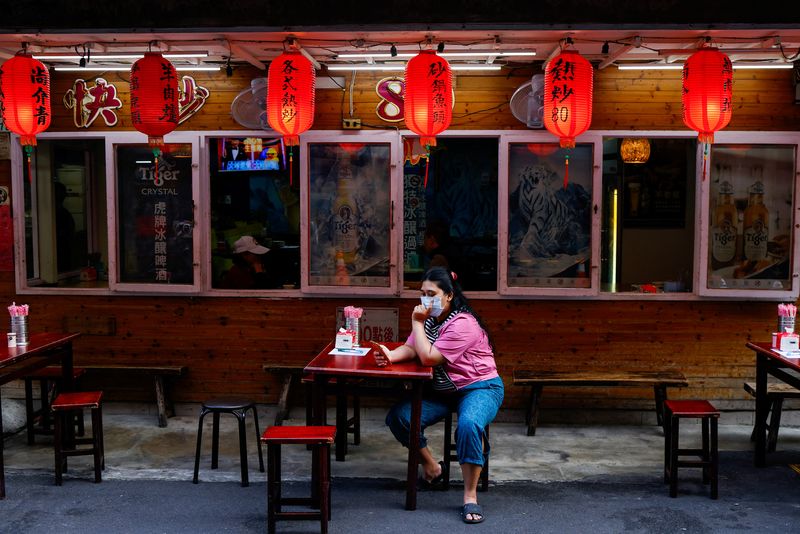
(199, 442)
(673, 456)
(258, 440)
(214, 440)
(243, 447)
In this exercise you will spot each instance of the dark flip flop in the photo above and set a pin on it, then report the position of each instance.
(435, 484)
(472, 508)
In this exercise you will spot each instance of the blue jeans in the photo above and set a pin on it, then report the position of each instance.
(476, 405)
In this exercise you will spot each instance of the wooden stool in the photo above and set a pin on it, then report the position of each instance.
(237, 407)
(450, 454)
(776, 392)
(674, 411)
(45, 376)
(62, 408)
(320, 439)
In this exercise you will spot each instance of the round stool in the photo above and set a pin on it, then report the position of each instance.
(674, 411)
(235, 406)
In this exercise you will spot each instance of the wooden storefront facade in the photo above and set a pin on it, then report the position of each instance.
(225, 340)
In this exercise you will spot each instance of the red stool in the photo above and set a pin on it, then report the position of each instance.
(320, 438)
(674, 411)
(450, 454)
(63, 407)
(46, 376)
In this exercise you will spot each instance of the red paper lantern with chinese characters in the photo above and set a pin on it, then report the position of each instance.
(428, 99)
(154, 97)
(25, 97)
(707, 96)
(568, 85)
(290, 95)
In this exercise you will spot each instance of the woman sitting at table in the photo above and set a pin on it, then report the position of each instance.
(447, 335)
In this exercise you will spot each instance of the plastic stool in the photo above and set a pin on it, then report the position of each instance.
(320, 438)
(674, 411)
(237, 407)
(450, 454)
(62, 408)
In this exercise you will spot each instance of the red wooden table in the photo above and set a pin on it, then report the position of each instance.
(15, 362)
(324, 366)
(769, 362)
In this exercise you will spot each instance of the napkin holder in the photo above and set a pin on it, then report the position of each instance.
(344, 339)
(785, 341)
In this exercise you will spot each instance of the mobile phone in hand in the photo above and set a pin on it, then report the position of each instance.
(380, 358)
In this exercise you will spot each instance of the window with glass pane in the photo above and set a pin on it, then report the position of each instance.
(255, 214)
(349, 214)
(65, 214)
(155, 214)
(648, 216)
(750, 216)
(549, 215)
(451, 222)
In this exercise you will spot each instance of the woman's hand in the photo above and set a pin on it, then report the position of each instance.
(420, 314)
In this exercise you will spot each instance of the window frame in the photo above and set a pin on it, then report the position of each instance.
(395, 199)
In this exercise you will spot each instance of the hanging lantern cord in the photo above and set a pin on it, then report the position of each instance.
(427, 164)
(566, 170)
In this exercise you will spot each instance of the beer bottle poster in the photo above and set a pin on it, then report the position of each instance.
(155, 214)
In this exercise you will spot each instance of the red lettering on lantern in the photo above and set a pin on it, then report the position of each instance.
(25, 97)
(707, 94)
(568, 85)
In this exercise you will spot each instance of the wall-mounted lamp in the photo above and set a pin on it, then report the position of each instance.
(635, 150)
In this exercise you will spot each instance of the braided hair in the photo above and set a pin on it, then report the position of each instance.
(446, 281)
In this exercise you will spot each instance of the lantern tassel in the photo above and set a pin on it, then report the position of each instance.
(705, 160)
(290, 165)
(427, 164)
(28, 153)
(566, 171)
(156, 154)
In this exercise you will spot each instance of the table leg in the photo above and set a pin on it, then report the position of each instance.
(413, 446)
(2, 466)
(319, 399)
(761, 407)
(341, 419)
(68, 384)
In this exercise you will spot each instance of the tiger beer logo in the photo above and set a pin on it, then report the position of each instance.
(390, 108)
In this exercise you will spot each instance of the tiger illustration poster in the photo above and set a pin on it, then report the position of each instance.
(549, 233)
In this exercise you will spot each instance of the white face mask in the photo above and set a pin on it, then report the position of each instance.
(434, 303)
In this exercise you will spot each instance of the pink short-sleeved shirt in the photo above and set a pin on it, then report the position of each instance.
(466, 350)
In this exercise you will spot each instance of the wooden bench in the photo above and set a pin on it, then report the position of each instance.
(659, 380)
(776, 392)
(288, 374)
(158, 372)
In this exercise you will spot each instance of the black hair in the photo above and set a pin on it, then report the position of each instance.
(445, 280)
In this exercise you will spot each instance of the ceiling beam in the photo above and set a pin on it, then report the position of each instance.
(621, 51)
(246, 55)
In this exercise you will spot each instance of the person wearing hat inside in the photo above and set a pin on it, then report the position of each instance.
(248, 270)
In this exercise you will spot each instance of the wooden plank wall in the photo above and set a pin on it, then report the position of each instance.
(644, 100)
(224, 341)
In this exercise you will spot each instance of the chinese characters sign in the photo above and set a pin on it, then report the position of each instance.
(376, 324)
(89, 102)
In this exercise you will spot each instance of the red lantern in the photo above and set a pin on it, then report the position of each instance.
(707, 96)
(154, 97)
(25, 97)
(290, 97)
(568, 83)
(428, 99)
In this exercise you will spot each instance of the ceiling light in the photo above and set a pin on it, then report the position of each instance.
(123, 68)
(474, 53)
(378, 67)
(679, 66)
(74, 57)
